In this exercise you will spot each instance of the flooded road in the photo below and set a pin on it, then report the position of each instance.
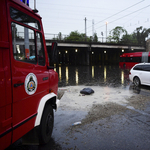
(116, 116)
(92, 75)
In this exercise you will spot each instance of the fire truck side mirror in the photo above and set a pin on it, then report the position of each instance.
(53, 55)
(54, 52)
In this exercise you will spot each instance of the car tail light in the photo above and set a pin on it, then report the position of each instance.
(129, 72)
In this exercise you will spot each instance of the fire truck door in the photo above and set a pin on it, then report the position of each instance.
(30, 78)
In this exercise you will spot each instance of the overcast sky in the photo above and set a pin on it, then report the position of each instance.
(66, 16)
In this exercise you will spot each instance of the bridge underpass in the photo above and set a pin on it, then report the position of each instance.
(90, 53)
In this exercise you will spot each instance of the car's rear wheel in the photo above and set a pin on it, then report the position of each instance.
(136, 81)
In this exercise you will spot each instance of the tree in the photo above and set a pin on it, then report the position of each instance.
(129, 39)
(116, 34)
(95, 38)
(74, 36)
(140, 35)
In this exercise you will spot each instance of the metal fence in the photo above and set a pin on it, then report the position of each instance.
(63, 37)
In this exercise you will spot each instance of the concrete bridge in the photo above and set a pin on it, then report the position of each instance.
(85, 53)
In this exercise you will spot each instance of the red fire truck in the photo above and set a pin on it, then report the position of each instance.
(28, 84)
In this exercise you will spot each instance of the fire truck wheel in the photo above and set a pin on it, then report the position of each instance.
(46, 126)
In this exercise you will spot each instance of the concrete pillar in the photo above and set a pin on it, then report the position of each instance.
(87, 58)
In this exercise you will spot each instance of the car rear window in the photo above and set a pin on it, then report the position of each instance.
(138, 67)
(142, 67)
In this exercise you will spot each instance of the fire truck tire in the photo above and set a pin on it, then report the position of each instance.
(46, 126)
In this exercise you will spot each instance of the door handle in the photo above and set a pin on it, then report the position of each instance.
(18, 84)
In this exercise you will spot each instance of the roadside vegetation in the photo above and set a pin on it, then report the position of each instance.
(118, 35)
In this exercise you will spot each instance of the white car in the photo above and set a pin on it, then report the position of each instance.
(140, 74)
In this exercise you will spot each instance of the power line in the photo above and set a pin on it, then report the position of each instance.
(125, 16)
(41, 3)
(117, 13)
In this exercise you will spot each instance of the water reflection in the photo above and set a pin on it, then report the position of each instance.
(122, 77)
(67, 76)
(76, 76)
(142, 89)
(59, 74)
(92, 71)
(105, 72)
(92, 75)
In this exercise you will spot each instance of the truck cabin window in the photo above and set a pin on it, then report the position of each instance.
(24, 18)
(40, 50)
(23, 41)
(27, 43)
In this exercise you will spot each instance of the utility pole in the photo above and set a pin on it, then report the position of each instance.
(85, 28)
(102, 36)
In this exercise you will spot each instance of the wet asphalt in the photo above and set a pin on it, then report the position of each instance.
(109, 120)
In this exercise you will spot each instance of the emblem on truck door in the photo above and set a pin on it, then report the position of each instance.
(30, 83)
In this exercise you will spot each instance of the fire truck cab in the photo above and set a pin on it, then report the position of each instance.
(28, 85)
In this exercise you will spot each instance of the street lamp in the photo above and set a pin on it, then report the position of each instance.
(106, 31)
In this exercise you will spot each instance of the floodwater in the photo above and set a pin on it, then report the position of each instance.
(92, 75)
(115, 116)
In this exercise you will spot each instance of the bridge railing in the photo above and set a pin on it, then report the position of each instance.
(64, 37)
